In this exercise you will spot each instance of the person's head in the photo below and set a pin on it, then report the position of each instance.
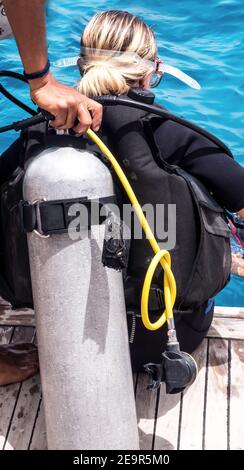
(112, 46)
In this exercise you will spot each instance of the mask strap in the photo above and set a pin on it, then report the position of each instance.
(165, 68)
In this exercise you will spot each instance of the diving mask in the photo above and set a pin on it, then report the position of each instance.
(157, 67)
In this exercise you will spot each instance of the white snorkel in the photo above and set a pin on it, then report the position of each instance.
(182, 76)
(66, 62)
(134, 58)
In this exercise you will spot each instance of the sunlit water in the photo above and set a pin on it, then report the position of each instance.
(203, 39)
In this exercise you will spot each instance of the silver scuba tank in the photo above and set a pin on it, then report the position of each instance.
(80, 314)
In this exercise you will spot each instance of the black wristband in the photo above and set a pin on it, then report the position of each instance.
(39, 74)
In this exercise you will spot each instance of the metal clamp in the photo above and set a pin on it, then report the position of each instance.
(38, 231)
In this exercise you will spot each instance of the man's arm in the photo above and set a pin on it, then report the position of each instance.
(28, 22)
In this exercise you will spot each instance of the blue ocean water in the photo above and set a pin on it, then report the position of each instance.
(206, 41)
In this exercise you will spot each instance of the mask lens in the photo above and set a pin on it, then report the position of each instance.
(156, 76)
(155, 80)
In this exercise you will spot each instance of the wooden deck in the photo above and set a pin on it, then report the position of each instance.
(209, 415)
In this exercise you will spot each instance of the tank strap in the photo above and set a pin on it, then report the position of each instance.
(55, 217)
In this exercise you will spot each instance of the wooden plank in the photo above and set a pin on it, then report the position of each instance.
(20, 317)
(145, 407)
(193, 405)
(5, 410)
(4, 303)
(167, 426)
(23, 334)
(216, 404)
(236, 396)
(9, 394)
(5, 334)
(8, 397)
(25, 414)
(229, 312)
(39, 439)
(228, 328)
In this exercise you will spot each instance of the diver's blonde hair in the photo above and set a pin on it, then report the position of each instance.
(104, 73)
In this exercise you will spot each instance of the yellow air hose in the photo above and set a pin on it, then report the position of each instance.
(161, 256)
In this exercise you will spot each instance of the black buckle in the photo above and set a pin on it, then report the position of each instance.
(156, 299)
(54, 215)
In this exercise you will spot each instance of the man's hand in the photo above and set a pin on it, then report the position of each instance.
(70, 108)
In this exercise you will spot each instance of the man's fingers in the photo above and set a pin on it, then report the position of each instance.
(71, 117)
(84, 118)
(65, 114)
(65, 118)
(96, 111)
(60, 117)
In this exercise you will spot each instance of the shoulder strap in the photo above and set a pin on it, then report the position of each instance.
(165, 114)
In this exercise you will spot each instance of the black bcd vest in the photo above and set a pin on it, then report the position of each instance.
(201, 257)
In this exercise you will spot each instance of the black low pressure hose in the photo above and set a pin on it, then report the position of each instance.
(108, 100)
(9, 73)
(16, 101)
(24, 123)
(37, 117)
(123, 101)
(153, 109)
(10, 96)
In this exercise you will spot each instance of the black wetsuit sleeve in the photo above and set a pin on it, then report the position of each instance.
(196, 154)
